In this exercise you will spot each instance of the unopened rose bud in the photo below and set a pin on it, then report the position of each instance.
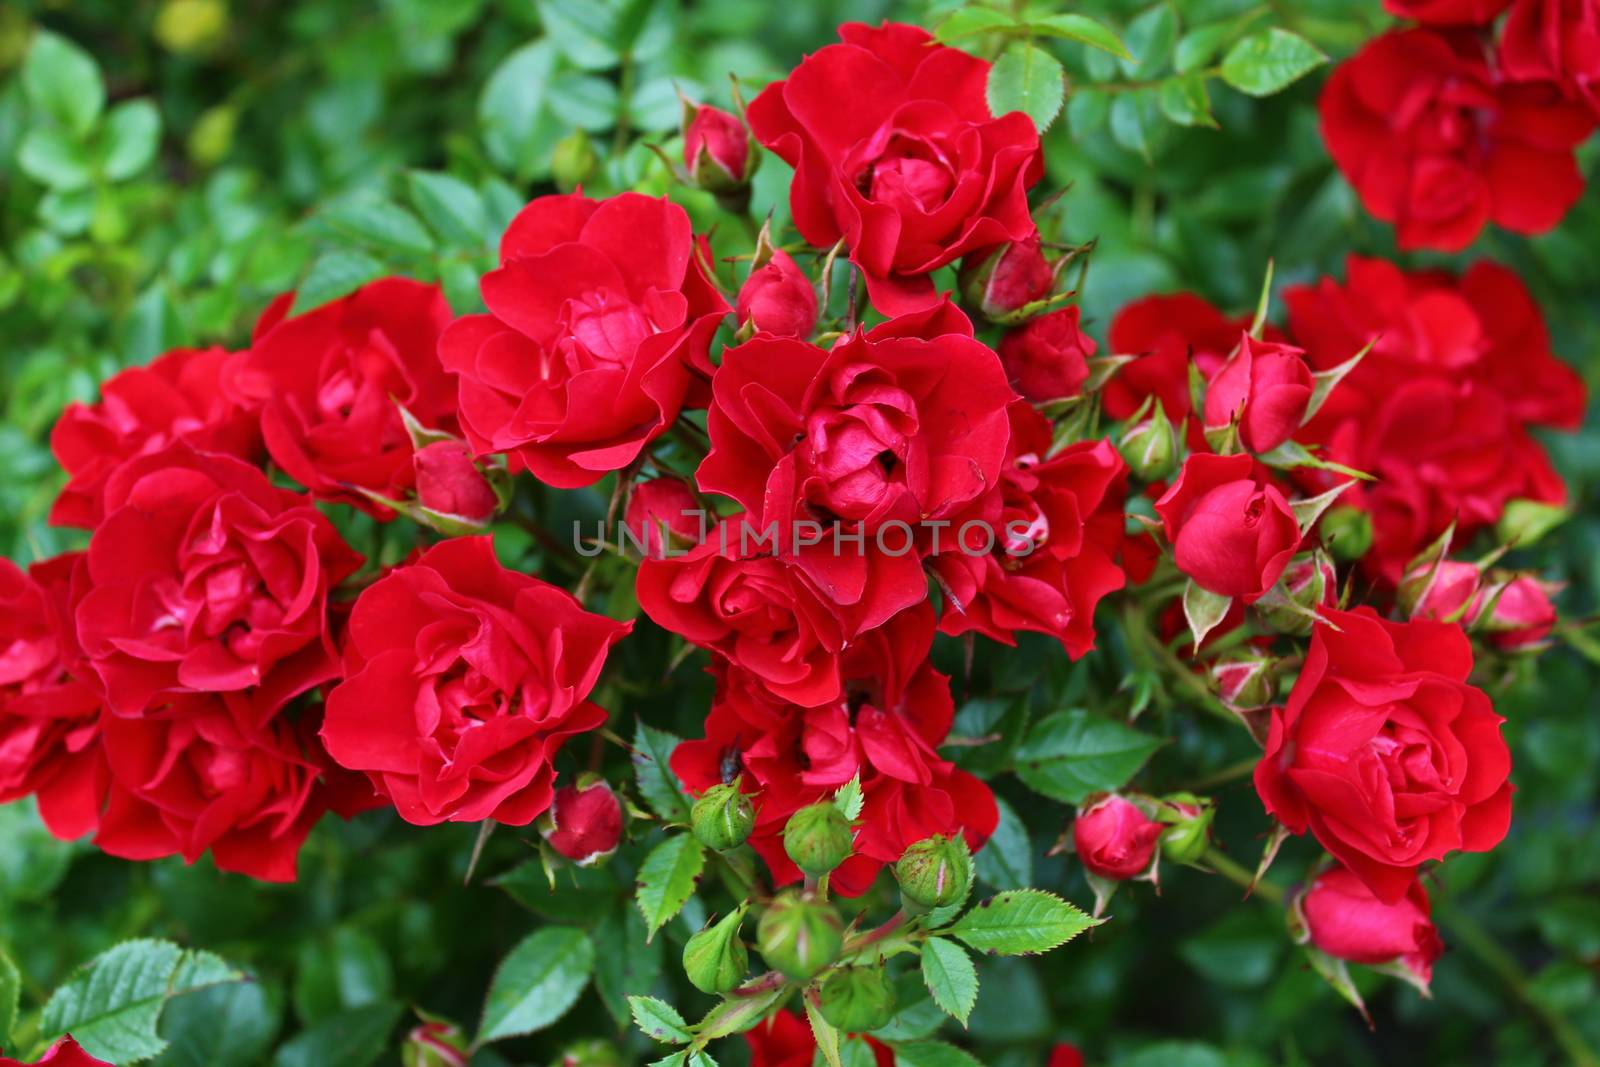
(934, 872)
(663, 505)
(584, 822)
(723, 817)
(1346, 532)
(1001, 281)
(799, 935)
(450, 483)
(1150, 447)
(818, 838)
(778, 299)
(590, 1052)
(1521, 617)
(715, 960)
(857, 999)
(1047, 358)
(435, 1043)
(572, 161)
(1266, 387)
(1308, 583)
(1187, 819)
(1114, 838)
(186, 27)
(717, 149)
(1343, 918)
(1442, 591)
(1245, 680)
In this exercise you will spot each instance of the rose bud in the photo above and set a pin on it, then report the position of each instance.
(664, 505)
(1245, 680)
(723, 817)
(1001, 281)
(435, 1043)
(818, 838)
(934, 872)
(450, 483)
(1343, 918)
(1346, 532)
(715, 960)
(1048, 358)
(799, 934)
(1065, 1056)
(1187, 819)
(572, 161)
(1290, 606)
(1114, 838)
(717, 149)
(857, 999)
(778, 299)
(1266, 387)
(590, 1052)
(1441, 590)
(1522, 617)
(584, 822)
(1229, 533)
(1150, 447)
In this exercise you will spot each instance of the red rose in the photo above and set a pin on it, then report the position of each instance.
(205, 578)
(178, 397)
(1266, 387)
(462, 679)
(1554, 41)
(1231, 534)
(1045, 552)
(1047, 358)
(1065, 1056)
(597, 312)
(892, 713)
(327, 385)
(584, 822)
(1345, 920)
(449, 482)
(199, 776)
(64, 1053)
(894, 149)
(1385, 753)
(1165, 332)
(1447, 12)
(1419, 126)
(716, 149)
(49, 714)
(786, 1040)
(1001, 281)
(1520, 617)
(778, 299)
(663, 507)
(1114, 839)
(757, 611)
(1441, 593)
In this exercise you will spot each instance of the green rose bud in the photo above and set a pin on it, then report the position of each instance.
(1188, 820)
(857, 999)
(723, 817)
(590, 1052)
(1150, 447)
(1346, 531)
(799, 934)
(1245, 680)
(435, 1043)
(715, 959)
(818, 838)
(572, 161)
(1290, 606)
(934, 872)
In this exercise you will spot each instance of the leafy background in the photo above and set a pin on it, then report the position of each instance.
(174, 165)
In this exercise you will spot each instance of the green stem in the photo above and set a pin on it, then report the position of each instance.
(1243, 769)
(1243, 878)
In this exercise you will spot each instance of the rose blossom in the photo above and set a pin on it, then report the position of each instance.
(1384, 752)
(64, 1053)
(1230, 534)
(1554, 41)
(1047, 358)
(778, 299)
(1165, 332)
(450, 483)
(786, 1040)
(716, 149)
(584, 822)
(462, 679)
(597, 312)
(1115, 839)
(1447, 12)
(1001, 281)
(895, 150)
(663, 506)
(1266, 387)
(1345, 920)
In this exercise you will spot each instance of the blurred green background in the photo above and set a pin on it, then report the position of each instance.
(247, 146)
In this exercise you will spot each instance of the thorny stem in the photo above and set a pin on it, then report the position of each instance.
(872, 937)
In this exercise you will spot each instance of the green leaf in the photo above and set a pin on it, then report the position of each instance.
(667, 879)
(849, 800)
(1150, 37)
(128, 141)
(1526, 522)
(537, 984)
(652, 751)
(451, 207)
(225, 1026)
(1026, 78)
(32, 861)
(1266, 62)
(378, 223)
(586, 101)
(933, 1054)
(824, 1033)
(1135, 117)
(1006, 862)
(1080, 28)
(64, 81)
(512, 106)
(347, 969)
(580, 896)
(624, 963)
(1087, 108)
(10, 998)
(855, 1052)
(335, 274)
(1074, 753)
(738, 1013)
(1185, 101)
(969, 21)
(352, 1038)
(1203, 610)
(54, 159)
(951, 978)
(659, 1020)
(1021, 921)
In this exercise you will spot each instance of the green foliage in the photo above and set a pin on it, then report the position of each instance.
(538, 983)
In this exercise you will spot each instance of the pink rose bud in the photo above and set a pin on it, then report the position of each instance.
(1521, 618)
(663, 502)
(1308, 584)
(1446, 591)
(1347, 922)
(1245, 680)
(1115, 839)
(449, 482)
(1267, 387)
(716, 148)
(1001, 281)
(779, 299)
(435, 1043)
(1047, 358)
(584, 822)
